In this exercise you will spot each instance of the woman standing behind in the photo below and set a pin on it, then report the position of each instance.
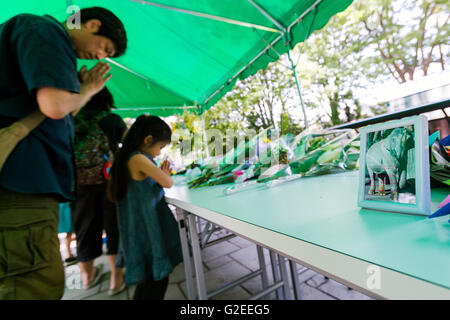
(97, 134)
(149, 246)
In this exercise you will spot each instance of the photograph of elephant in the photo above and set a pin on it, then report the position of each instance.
(390, 165)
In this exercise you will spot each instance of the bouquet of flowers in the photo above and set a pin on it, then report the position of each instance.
(440, 162)
(278, 154)
(228, 168)
(340, 153)
(314, 154)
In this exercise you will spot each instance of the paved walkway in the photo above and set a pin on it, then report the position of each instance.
(223, 262)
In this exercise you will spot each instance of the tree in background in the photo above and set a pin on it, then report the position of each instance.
(258, 102)
(370, 42)
(330, 69)
(406, 36)
(225, 115)
(187, 133)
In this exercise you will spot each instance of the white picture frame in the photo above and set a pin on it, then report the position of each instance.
(398, 151)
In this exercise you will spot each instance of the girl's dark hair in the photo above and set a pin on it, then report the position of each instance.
(111, 28)
(141, 128)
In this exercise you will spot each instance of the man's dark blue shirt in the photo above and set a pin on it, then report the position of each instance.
(35, 52)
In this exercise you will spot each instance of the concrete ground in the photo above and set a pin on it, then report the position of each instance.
(223, 262)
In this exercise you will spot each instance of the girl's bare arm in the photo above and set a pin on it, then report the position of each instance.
(141, 167)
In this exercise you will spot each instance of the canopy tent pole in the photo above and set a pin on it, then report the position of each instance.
(288, 38)
(153, 108)
(209, 16)
(303, 14)
(292, 67)
(299, 92)
(283, 29)
(205, 138)
(262, 52)
(243, 68)
(145, 78)
(313, 7)
(284, 33)
(127, 69)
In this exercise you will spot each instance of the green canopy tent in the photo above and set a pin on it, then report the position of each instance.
(189, 53)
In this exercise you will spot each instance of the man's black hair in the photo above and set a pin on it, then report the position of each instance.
(111, 28)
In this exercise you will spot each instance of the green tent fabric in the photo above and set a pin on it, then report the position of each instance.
(188, 54)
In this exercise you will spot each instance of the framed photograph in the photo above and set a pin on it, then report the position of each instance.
(394, 172)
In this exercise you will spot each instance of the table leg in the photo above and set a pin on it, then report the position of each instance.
(295, 283)
(198, 264)
(285, 277)
(204, 233)
(276, 273)
(181, 218)
(262, 266)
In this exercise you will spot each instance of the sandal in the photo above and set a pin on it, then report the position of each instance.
(70, 261)
(98, 276)
(119, 289)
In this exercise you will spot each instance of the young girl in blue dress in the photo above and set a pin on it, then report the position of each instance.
(149, 245)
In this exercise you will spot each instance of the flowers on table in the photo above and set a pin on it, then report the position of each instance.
(233, 164)
(314, 154)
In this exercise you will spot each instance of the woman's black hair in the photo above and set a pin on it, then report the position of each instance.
(95, 109)
(143, 126)
(102, 101)
(111, 28)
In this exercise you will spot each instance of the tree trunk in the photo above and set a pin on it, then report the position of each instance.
(334, 105)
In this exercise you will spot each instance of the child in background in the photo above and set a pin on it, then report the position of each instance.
(149, 244)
